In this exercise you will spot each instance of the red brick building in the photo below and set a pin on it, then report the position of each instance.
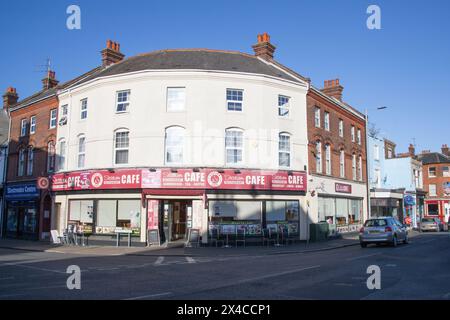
(337, 157)
(436, 179)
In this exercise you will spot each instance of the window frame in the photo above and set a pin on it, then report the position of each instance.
(281, 151)
(30, 161)
(326, 123)
(341, 128)
(359, 137)
(33, 125)
(342, 163)
(21, 163)
(353, 133)
(81, 153)
(286, 106)
(319, 163)
(84, 104)
(231, 101)
(317, 117)
(61, 163)
(360, 168)
(354, 167)
(167, 99)
(51, 156)
(182, 130)
(23, 127)
(236, 148)
(432, 175)
(53, 117)
(127, 148)
(435, 190)
(127, 102)
(328, 165)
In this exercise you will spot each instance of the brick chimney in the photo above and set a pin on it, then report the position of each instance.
(332, 88)
(411, 150)
(49, 81)
(111, 54)
(10, 98)
(264, 48)
(446, 150)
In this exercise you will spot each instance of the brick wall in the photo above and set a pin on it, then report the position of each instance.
(439, 180)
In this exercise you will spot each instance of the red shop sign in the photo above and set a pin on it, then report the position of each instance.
(343, 188)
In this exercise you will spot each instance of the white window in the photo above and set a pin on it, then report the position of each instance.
(446, 171)
(21, 165)
(328, 159)
(234, 146)
(319, 157)
(359, 136)
(235, 99)
(53, 118)
(354, 167)
(283, 106)
(33, 125)
(342, 164)
(284, 150)
(327, 121)
(83, 109)
(122, 101)
(176, 99)
(432, 191)
(377, 174)
(390, 153)
(64, 110)
(376, 152)
(317, 117)
(81, 152)
(353, 134)
(175, 145)
(23, 128)
(62, 155)
(341, 128)
(51, 154)
(432, 172)
(121, 147)
(360, 169)
(30, 161)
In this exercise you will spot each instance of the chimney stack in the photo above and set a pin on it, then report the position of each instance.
(446, 150)
(49, 81)
(111, 54)
(332, 88)
(10, 98)
(264, 49)
(412, 150)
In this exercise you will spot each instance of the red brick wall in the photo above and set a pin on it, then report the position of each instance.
(438, 180)
(332, 137)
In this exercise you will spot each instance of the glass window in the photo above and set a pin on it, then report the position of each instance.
(30, 161)
(175, 145)
(122, 101)
(33, 125)
(342, 212)
(84, 109)
(359, 136)
(112, 214)
(283, 106)
(51, 154)
(328, 159)
(318, 157)
(234, 146)
(235, 99)
(121, 147)
(341, 128)
(353, 134)
(433, 209)
(81, 215)
(327, 121)
(64, 110)
(360, 169)
(23, 128)
(342, 164)
(354, 166)
(62, 155)
(356, 207)
(432, 172)
(283, 214)
(327, 209)
(284, 150)
(432, 190)
(53, 118)
(176, 99)
(21, 164)
(446, 171)
(317, 117)
(376, 152)
(81, 152)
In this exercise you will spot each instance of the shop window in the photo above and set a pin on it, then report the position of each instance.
(283, 214)
(342, 212)
(112, 214)
(356, 207)
(327, 209)
(433, 209)
(30, 161)
(81, 214)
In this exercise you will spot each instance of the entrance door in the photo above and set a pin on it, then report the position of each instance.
(47, 222)
(175, 219)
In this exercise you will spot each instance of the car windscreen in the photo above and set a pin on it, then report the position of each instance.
(376, 223)
(427, 220)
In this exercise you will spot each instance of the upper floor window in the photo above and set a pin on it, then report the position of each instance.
(235, 99)
(84, 109)
(353, 133)
(432, 172)
(33, 125)
(446, 171)
(389, 153)
(377, 174)
(284, 150)
(176, 99)
(64, 110)
(317, 117)
(174, 145)
(432, 190)
(51, 155)
(234, 145)
(121, 147)
(81, 159)
(30, 161)
(283, 106)
(62, 155)
(327, 121)
(376, 152)
(21, 164)
(23, 127)
(328, 159)
(122, 101)
(359, 136)
(319, 157)
(53, 118)
(342, 164)
(341, 128)
(354, 167)
(360, 169)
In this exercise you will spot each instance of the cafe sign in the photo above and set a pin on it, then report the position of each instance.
(343, 188)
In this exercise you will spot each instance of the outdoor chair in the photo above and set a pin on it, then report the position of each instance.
(215, 237)
(266, 237)
(240, 236)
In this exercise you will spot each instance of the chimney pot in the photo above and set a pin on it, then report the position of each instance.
(333, 88)
(264, 49)
(10, 98)
(50, 80)
(111, 54)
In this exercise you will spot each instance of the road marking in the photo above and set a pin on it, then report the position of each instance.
(190, 260)
(391, 265)
(343, 284)
(159, 261)
(22, 264)
(151, 296)
(365, 256)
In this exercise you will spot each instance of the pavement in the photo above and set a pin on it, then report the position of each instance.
(332, 270)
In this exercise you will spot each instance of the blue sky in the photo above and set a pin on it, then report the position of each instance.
(405, 66)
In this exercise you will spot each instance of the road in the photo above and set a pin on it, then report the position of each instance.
(418, 270)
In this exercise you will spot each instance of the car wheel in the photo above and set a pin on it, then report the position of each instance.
(394, 241)
(363, 245)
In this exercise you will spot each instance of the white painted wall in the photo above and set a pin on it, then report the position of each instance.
(205, 119)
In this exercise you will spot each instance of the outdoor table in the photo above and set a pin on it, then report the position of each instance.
(123, 232)
(82, 236)
(226, 242)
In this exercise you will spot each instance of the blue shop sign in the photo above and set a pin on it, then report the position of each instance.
(23, 191)
(409, 200)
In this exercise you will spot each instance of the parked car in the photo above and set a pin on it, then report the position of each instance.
(431, 224)
(383, 230)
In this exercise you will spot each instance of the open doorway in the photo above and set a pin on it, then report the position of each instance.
(177, 219)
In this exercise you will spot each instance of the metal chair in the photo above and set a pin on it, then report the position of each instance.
(240, 236)
(266, 237)
(215, 237)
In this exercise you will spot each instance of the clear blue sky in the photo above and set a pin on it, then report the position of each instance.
(405, 66)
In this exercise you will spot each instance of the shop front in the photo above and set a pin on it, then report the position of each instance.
(387, 203)
(414, 208)
(438, 208)
(22, 211)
